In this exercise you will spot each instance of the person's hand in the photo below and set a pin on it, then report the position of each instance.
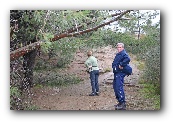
(120, 67)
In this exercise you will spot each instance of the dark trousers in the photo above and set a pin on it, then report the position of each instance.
(94, 81)
(118, 86)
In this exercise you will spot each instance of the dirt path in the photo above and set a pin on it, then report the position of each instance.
(75, 97)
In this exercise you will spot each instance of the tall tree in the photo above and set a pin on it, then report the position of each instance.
(31, 29)
(138, 21)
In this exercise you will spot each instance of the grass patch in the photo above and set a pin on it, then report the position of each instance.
(64, 81)
(148, 91)
(54, 78)
(107, 70)
(140, 65)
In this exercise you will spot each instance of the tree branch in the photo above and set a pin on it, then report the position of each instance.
(21, 51)
(57, 37)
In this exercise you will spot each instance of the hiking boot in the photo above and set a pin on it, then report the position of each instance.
(121, 106)
(117, 105)
(97, 93)
(92, 94)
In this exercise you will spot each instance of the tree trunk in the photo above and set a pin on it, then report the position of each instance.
(28, 65)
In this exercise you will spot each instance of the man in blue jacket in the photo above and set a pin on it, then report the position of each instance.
(121, 68)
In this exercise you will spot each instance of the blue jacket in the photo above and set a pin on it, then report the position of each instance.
(122, 59)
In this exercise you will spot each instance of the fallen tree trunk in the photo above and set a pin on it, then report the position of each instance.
(21, 51)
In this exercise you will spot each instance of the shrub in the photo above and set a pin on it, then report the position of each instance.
(152, 69)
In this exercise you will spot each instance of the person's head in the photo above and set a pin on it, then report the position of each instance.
(120, 47)
(89, 53)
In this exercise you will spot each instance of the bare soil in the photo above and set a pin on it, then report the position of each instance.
(75, 97)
